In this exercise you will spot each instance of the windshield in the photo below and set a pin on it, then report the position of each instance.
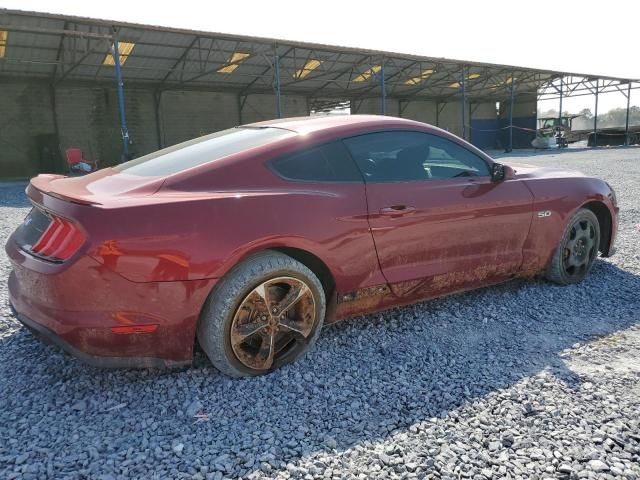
(201, 150)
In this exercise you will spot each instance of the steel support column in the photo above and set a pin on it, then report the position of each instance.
(157, 100)
(560, 113)
(240, 105)
(276, 72)
(402, 105)
(54, 111)
(513, 96)
(626, 123)
(595, 117)
(463, 106)
(123, 119)
(383, 93)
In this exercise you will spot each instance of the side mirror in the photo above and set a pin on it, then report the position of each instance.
(497, 172)
(500, 172)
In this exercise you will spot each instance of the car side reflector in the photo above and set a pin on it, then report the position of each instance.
(134, 329)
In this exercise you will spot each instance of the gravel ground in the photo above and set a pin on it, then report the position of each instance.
(527, 380)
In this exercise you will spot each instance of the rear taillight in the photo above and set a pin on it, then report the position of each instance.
(60, 240)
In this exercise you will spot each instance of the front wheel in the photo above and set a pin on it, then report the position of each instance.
(266, 312)
(577, 250)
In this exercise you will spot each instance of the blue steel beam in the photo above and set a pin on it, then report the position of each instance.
(626, 124)
(595, 117)
(383, 93)
(513, 96)
(123, 119)
(560, 114)
(463, 107)
(277, 81)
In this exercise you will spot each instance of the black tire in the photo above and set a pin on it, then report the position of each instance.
(577, 250)
(218, 320)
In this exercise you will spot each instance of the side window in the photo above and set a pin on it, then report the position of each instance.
(407, 156)
(448, 159)
(327, 163)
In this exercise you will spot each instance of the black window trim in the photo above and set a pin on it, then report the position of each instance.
(396, 130)
(270, 164)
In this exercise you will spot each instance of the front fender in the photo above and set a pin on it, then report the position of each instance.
(555, 202)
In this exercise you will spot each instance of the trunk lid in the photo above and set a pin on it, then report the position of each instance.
(98, 188)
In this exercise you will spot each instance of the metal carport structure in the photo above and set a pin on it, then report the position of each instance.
(61, 49)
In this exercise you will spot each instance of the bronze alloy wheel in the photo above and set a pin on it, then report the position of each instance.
(273, 321)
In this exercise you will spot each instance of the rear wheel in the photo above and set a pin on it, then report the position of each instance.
(266, 312)
(577, 251)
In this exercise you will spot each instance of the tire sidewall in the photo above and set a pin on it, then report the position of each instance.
(557, 271)
(214, 327)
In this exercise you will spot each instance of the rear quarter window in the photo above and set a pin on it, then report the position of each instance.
(330, 162)
(199, 151)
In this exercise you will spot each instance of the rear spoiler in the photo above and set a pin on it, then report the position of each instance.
(103, 187)
(41, 185)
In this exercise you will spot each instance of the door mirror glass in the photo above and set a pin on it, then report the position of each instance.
(501, 172)
(497, 172)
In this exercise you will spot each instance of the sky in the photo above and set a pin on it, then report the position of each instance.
(586, 36)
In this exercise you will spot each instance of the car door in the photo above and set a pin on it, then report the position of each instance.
(438, 221)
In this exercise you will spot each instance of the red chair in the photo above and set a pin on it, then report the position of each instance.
(78, 164)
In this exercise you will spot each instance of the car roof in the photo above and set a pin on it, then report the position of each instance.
(316, 123)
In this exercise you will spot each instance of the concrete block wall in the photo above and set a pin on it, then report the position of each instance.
(450, 117)
(87, 117)
(187, 115)
(485, 110)
(25, 113)
(526, 108)
(140, 109)
(85, 121)
(485, 126)
(421, 111)
(260, 107)
(372, 106)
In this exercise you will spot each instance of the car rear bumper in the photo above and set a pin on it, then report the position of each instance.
(104, 319)
(48, 336)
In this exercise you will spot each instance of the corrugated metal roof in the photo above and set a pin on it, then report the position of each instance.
(65, 48)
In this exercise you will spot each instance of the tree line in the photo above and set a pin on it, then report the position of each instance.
(615, 117)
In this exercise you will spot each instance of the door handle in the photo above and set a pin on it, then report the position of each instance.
(397, 210)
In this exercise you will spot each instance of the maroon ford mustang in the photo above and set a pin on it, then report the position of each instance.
(251, 238)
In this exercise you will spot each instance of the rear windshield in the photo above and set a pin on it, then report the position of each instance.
(201, 150)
